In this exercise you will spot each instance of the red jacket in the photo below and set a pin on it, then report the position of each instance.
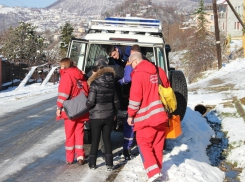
(68, 89)
(145, 105)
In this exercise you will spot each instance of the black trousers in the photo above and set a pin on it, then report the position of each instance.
(99, 126)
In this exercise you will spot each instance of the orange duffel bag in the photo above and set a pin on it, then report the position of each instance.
(173, 130)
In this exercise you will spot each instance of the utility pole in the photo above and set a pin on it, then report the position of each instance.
(240, 21)
(243, 32)
(218, 48)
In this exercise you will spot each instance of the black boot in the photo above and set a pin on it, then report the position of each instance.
(127, 154)
(109, 161)
(92, 161)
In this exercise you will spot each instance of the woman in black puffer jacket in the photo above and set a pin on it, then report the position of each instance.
(105, 104)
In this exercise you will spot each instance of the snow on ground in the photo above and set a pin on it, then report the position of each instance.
(12, 99)
(187, 160)
(235, 45)
(231, 77)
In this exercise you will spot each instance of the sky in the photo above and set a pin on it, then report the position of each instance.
(187, 160)
(28, 3)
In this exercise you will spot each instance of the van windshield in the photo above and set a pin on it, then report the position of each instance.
(96, 50)
(84, 54)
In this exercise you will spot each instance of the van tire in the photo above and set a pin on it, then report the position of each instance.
(179, 85)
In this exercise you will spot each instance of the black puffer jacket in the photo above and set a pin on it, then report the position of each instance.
(102, 97)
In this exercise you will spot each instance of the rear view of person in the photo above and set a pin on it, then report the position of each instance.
(74, 129)
(104, 104)
(147, 114)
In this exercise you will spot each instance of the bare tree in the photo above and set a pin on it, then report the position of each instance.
(52, 53)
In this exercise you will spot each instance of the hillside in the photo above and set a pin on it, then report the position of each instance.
(10, 16)
(7, 20)
(96, 7)
(85, 7)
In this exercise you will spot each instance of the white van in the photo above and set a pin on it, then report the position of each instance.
(147, 33)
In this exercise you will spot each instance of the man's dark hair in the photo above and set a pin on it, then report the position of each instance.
(101, 60)
(110, 49)
(136, 47)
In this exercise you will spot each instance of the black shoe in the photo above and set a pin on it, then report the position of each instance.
(109, 159)
(92, 167)
(92, 161)
(109, 168)
(127, 154)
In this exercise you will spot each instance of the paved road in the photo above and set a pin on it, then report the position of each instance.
(32, 148)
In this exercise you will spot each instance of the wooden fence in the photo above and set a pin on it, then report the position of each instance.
(10, 72)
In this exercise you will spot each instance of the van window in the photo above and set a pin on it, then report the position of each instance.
(160, 58)
(94, 51)
(100, 49)
(77, 53)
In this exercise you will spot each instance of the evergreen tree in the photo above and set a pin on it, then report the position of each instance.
(201, 47)
(23, 44)
(201, 19)
(66, 35)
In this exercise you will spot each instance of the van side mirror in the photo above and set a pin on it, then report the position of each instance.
(167, 48)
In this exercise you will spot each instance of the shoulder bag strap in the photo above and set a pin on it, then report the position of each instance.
(159, 79)
(79, 85)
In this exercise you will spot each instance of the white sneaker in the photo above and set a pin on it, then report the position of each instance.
(156, 178)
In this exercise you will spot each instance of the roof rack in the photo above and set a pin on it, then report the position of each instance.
(127, 24)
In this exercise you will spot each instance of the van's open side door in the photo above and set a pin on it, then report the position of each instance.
(77, 51)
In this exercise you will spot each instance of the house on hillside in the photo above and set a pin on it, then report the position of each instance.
(209, 16)
(57, 37)
(227, 19)
(222, 15)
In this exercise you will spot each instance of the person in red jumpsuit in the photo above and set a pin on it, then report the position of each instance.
(147, 114)
(68, 89)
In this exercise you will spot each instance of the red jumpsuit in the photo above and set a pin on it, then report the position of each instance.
(73, 128)
(148, 112)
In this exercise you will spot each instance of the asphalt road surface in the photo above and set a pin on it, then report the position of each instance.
(32, 148)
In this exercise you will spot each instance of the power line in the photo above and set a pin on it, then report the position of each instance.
(21, 3)
(9, 3)
(14, 4)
